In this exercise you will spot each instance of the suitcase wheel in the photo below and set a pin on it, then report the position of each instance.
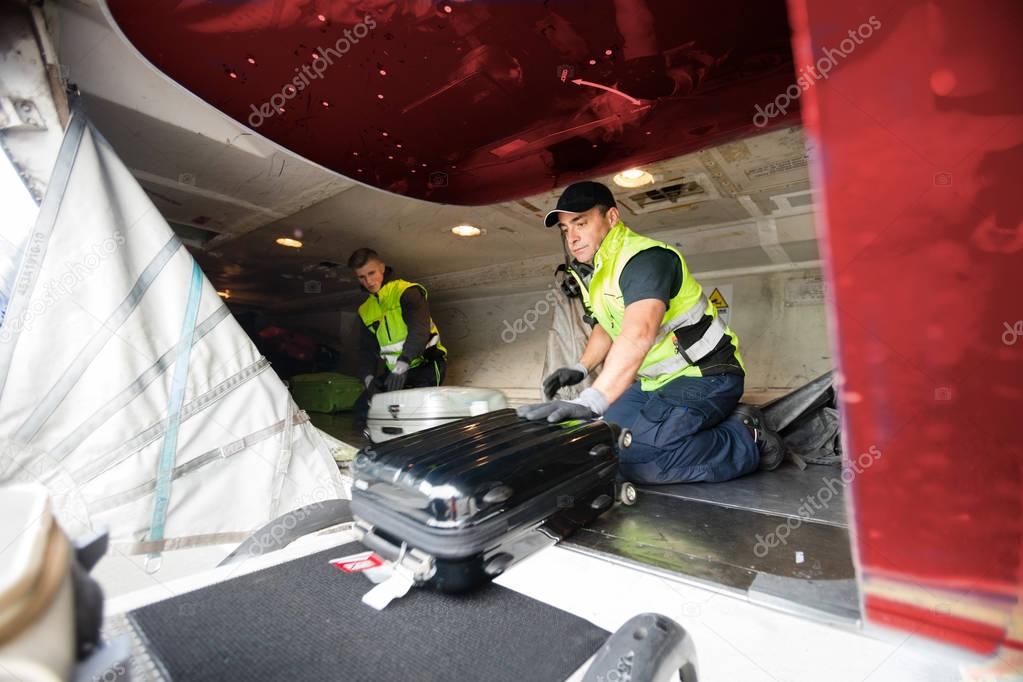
(627, 494)
(497, 565)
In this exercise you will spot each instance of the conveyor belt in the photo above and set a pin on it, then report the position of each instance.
(303, 620)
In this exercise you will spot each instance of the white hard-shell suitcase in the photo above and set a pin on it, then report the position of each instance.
(398, 413)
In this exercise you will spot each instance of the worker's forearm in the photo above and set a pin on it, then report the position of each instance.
(416, 314)
(596, 348)
(622, 363)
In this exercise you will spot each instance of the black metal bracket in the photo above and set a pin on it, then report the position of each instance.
(647, 648)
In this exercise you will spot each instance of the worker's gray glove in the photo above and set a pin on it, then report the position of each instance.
(590, 403)
(561, 377)
(396, 379)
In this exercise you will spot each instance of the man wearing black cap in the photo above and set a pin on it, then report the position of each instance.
(672, 371)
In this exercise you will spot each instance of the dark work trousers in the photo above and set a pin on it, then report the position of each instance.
(430, 373)
(685, 432)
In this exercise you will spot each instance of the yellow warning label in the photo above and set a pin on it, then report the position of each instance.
(718, 300)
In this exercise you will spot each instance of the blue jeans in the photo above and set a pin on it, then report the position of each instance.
(685, 432)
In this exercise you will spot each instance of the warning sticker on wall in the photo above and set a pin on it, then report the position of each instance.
(721, 297)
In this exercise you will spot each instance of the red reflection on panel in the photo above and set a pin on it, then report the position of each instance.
(519, 96)
(919, 136)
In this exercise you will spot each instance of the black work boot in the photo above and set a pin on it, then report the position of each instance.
(772, 452)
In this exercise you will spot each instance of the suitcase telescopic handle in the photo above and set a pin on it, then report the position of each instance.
(387, 550)
(419, 565)
(647, 648)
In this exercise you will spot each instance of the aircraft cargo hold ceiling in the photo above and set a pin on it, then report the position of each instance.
(472, 103)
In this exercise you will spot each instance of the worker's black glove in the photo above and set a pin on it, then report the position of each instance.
(399, 375)
(564, 376)
(590, 403)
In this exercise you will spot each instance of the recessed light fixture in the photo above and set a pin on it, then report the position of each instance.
(634, 177)
(288, 241)
(466, 231)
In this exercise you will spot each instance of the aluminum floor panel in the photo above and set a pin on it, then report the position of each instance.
(719, 547)
(780, 492)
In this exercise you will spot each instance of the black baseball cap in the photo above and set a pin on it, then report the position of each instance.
(580, 197)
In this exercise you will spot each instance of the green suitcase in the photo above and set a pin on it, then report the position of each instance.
(325, 391)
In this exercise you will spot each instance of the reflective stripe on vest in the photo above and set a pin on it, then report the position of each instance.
(394, 349)
(665, 360)
(689, 356)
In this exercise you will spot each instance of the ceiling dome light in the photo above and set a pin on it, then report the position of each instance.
(288, 241)
(466, 231)
(634, 177)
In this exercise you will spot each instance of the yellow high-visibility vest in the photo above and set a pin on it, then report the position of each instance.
(604, 298)
(381, 312)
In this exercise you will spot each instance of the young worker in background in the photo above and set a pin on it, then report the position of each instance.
(397, 328)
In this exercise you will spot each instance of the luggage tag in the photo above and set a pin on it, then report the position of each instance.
(398, 585)
(372, 564)
(410, 568)
(390, 581)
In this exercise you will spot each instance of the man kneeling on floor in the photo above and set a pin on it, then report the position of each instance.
(672, 370)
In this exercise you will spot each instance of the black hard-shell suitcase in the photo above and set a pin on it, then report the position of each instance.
(458, 504)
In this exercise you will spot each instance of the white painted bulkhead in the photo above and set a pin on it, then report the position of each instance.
(494, 321)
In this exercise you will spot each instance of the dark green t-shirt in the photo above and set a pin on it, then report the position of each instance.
(657, 273)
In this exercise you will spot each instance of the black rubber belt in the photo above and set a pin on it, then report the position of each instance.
(304, 620)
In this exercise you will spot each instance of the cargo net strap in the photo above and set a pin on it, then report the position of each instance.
(169, 449)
